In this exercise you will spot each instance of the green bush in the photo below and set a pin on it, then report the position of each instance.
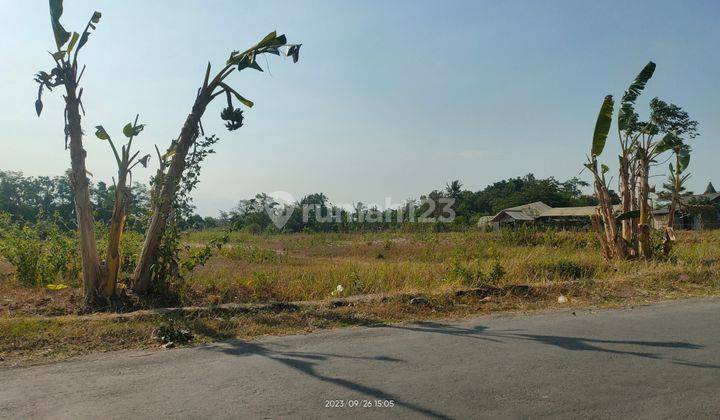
(253, 228)
(567, 269)
(497, 272)
(471, 272)
(468, 272)
(41, 253)
(170, 330)
(131, 243)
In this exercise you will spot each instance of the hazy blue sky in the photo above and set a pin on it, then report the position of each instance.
(390, 98)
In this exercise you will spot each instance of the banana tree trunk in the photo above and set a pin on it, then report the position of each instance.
(81, 195)
(595, 222)
(670, 228)
(626, 197)
(671, 213)
(117, 226)
(164, 201)
(614, 246)
(644, 248)
(634, 201)
(675, 193)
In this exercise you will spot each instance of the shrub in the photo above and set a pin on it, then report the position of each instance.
(22, 248)
(41, 253)
(355, 284)
(131, 244)
(568, 269)
(467, 273)
(169, 330)
(253, 228)
(471, 272)
(497, 272)
(657, 239)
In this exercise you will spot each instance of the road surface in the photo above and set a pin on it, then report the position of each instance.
(651, 362)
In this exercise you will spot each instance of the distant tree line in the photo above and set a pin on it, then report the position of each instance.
(468, 207)
(28, 198)
(32, 199)
(515, 192)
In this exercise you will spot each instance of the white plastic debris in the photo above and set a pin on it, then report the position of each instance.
(338, 290)
(562, 299)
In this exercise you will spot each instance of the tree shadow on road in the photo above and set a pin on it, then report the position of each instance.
(481, 332)
(307, 362)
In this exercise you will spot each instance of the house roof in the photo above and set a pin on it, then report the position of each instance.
(711, 197)
(530, 212)
(525, 212)
(570, 211)
(584, 211)
(710, 189)
(514, 214)
(532, 209)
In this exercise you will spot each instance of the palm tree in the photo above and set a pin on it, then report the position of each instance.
(454, 189)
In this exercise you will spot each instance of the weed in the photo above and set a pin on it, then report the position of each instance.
(251, 254)
(522, 235)
(496, 273)
(169, 330)
(295, 267)
(567, 269)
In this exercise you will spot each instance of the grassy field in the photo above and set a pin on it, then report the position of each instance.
(321, 267)
(308, 267)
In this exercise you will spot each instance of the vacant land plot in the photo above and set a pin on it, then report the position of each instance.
(309, 267)
(458, 273)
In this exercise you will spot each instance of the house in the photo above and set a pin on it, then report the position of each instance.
(696, 212)
(569, 216)
(539, 212)
(527, 213)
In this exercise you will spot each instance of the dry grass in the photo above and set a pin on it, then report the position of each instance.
(299, 267)
(305, 267)
(310, 266)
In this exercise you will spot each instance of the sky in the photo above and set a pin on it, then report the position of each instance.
(389, 98)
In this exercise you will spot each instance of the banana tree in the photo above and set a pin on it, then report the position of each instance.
(67, 73)
(670, 121)
(168, 181)
(641, 145)
(629, 134)
(126, 162)
(612, 245)
(677, 180)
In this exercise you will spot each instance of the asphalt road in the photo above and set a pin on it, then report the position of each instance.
(661, 361)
